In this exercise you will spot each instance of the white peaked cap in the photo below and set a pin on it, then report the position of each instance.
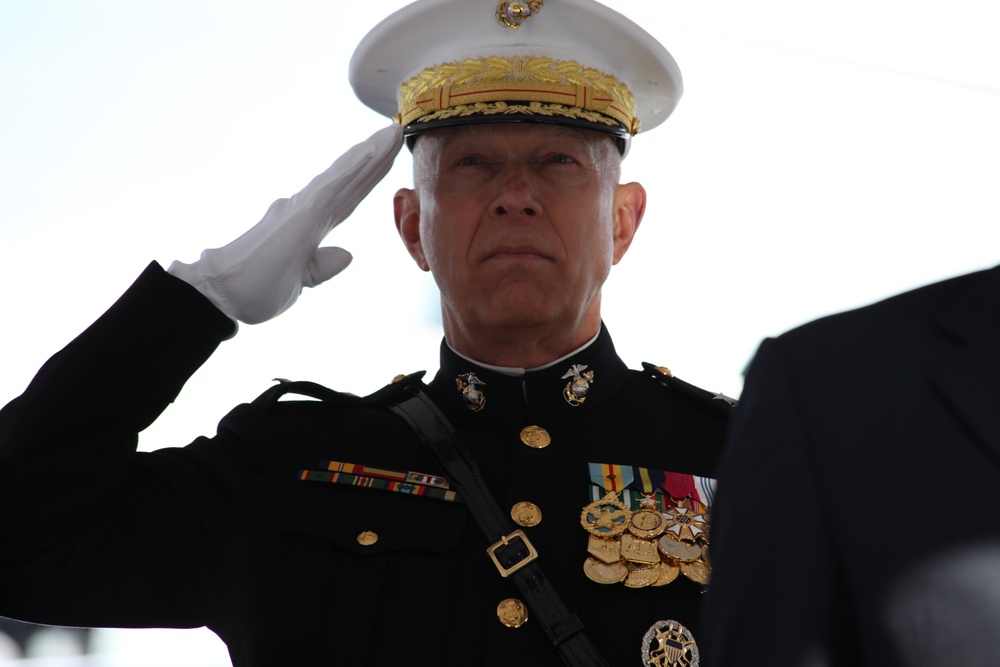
(436, 63)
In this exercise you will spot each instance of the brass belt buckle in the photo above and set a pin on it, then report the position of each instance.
(505, 541)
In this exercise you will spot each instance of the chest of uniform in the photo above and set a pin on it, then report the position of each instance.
(368, 516)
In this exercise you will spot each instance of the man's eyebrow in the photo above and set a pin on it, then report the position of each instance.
(452, 134)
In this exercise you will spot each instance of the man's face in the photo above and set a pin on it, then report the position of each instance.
(518, 223)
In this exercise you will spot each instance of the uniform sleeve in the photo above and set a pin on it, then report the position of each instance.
(773, 599)
(87, 521)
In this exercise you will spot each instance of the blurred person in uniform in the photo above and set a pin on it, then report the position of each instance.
(854, 524)
(535, 502)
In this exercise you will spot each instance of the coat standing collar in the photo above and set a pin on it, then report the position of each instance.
(575, 385)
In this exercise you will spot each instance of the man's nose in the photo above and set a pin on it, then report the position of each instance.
(516, 193)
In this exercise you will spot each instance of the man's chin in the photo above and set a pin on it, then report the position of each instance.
(519, 306)
(524, 316)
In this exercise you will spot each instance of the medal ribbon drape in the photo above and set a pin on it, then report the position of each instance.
(647, 527)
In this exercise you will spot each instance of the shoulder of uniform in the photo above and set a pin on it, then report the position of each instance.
(662, 375)
(387, 394)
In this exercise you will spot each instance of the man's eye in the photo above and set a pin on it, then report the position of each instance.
(562, 159)
(469, 161)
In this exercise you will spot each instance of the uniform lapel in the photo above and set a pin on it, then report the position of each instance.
(971, 382)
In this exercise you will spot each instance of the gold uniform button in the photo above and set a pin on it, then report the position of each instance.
(536, 437)
(367, 538)
(512, 613)
(526, 514)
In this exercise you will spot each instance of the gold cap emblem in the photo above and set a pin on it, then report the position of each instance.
(512, 13)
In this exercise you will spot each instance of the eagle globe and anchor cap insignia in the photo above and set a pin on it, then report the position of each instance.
(512, 13)
(669, 644)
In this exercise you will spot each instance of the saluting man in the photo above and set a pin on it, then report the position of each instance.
(536, 502)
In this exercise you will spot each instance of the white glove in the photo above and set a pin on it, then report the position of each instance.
(260, 274)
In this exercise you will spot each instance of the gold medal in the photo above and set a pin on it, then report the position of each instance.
(685, 552)
(607, 517)
(635, 550)
(609, 551)
(697, 572)
(605, 573)
(640, 576)
(647, 523)
(669, 570)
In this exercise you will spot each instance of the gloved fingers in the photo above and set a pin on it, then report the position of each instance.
(333, 195)
(307, 217)
(260, 274)
(325, 264)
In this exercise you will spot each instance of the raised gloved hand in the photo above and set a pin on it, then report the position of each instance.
(260, 274)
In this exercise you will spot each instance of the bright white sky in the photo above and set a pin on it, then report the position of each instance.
(822, 157)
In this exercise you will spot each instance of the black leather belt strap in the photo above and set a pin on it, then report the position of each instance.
(511, 551)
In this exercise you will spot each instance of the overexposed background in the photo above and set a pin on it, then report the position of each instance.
(823, 156)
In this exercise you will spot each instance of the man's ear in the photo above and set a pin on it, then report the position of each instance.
(630, 206)
(406, 208)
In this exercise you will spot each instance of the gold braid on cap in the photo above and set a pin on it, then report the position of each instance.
(530, 85)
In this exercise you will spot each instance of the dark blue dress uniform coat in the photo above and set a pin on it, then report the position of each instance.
(856, 524)
(223, 533)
